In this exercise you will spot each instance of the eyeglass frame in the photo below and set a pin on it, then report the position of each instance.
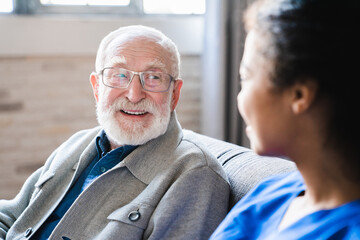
(140, 74)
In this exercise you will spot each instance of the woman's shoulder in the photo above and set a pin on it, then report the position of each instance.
(286, 182)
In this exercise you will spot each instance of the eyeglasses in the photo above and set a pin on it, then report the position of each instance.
(150, 81)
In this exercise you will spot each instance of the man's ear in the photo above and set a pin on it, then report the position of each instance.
(176, 93)
(303, 95)
(95, 85)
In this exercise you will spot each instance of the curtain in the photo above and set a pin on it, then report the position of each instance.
(224, 37)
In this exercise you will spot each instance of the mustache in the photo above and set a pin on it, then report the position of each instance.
(145, 105)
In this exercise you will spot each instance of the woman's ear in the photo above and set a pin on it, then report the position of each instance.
(303, 95)
(95, 85)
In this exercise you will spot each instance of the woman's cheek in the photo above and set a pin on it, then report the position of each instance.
(241, 104)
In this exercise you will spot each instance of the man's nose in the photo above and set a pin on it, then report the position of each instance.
(135, 91)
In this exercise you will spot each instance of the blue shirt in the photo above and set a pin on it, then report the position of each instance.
(259, 213)
(104, 161)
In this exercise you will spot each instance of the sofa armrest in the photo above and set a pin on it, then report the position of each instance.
(243, 167)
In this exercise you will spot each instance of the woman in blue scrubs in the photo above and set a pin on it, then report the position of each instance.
(299, 99)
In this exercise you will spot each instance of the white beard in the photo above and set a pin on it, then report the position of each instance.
(125, 132)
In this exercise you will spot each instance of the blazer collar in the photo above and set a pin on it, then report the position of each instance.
(146, 161)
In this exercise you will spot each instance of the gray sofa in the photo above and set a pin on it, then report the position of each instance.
(243, 167)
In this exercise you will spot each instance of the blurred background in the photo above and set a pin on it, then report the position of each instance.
(47, 52)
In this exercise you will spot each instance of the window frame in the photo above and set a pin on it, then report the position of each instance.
(6, 13)
(135, 8)
(35, 7)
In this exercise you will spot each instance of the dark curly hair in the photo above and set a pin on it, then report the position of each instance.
(318, 40)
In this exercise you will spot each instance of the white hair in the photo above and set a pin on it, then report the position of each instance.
(139, 31)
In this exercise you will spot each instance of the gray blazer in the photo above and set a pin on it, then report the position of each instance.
(169, 188)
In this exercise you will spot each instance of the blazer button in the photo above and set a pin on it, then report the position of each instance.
(28, 232)
(134, 215)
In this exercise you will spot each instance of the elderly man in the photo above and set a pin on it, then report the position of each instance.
(134, 177)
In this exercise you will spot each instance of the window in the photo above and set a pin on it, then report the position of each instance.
(6, 6)
(174, 6)
(86, 2)
(123, 7)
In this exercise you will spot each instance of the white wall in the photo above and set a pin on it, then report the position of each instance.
(65, 35)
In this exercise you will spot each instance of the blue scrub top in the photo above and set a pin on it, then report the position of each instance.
(259, 213)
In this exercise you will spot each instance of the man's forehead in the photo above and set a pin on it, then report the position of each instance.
(122, 42)
(122, 61)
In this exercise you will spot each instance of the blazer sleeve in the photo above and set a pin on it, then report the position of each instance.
(192, 208)
(10, 210)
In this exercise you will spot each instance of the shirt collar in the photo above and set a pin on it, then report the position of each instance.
(102, 144)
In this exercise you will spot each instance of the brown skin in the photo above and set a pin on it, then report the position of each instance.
(286, 123)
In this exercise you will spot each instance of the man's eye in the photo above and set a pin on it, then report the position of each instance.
(153, 80)
(121, 75)
(154, 77)
(120, 78)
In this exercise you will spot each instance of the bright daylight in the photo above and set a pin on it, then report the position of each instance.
(6, 6)
(150, 6)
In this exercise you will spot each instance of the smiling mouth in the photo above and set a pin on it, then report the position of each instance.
(134, 113)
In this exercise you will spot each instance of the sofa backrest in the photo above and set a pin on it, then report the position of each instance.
(243, 166)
